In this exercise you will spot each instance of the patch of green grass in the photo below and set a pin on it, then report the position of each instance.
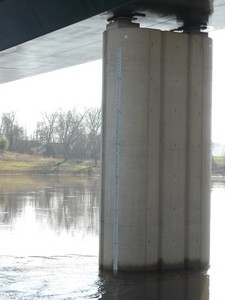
(14, 166)
(12, 162)
(220, 160)
(15, 163)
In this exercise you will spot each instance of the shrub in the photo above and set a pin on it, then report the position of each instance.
(4, 144)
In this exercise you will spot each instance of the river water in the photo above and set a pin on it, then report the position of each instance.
(49, 247)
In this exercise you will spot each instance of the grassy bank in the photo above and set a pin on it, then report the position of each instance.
(220, 160)
(15, 164)
(218, 167)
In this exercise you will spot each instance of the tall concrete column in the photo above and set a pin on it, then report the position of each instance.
(155, 192)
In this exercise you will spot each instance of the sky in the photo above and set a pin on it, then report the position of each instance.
(67, 88)
(63, 89)
(218, 87)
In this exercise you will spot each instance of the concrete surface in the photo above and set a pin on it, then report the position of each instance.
(156, 149)
(43, 36)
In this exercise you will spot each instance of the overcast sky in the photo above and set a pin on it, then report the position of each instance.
(67, 88)
(218, 90)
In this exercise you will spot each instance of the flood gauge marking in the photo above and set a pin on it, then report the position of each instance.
(117, 160)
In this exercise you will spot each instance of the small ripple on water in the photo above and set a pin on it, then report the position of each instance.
(55, 278)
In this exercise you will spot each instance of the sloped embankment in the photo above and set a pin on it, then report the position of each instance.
(16, 164)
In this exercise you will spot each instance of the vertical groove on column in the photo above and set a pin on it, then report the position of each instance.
(154, 92)
(161, 151)
(148, 165)
(187, 179)
(201, 172)
(201, 194)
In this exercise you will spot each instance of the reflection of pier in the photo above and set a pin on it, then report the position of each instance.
(174, 286)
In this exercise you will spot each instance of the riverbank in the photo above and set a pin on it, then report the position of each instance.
(218, 178)
(12, 163)
(23, 164)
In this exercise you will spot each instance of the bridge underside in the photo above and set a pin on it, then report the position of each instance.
(42, 36)
(156, 114)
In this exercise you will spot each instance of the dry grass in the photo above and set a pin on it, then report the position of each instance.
(15, 163)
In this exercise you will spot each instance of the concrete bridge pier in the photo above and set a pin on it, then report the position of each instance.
(155, 192)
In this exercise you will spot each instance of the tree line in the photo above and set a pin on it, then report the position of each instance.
(67, 134)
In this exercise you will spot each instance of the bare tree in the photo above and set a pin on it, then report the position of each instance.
(46, 129)
(4, 143)
(93, 127)
(10, 129)
(69, 129)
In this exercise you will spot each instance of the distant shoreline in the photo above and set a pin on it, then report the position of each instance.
(16, 164)
(218, 178)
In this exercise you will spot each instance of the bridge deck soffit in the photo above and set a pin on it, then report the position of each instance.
(43, 36)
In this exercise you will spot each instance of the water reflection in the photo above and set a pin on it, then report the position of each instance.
(217, 248)
(47, 215)
(49, 247)
(164, 286)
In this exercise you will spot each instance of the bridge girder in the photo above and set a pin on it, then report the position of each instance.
(39, 36)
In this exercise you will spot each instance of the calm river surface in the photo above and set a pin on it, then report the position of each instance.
(49, 247)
